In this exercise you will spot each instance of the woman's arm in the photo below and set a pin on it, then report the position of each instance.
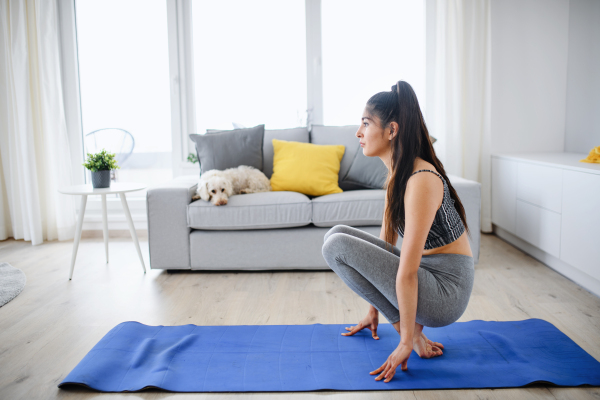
(421, 201)
(424, 194)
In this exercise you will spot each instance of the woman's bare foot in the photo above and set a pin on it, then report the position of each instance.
(432, 343)
(425, 349)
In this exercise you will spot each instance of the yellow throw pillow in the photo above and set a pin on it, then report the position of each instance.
(306, 168)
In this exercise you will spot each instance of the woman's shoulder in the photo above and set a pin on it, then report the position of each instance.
(427, 180)
(421, 164)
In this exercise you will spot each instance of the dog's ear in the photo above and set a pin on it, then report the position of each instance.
(203, 190)
(228, 188)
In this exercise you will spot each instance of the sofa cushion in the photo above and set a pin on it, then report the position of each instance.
(346, 135)
(230, 149)
(354, 208)
(291, 135)
(263, 210)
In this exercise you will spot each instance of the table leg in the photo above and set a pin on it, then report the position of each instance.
(78, 232)
(132, 228)
(105, 226)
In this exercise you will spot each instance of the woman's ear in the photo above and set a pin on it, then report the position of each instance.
(393, 129)
(203, 190)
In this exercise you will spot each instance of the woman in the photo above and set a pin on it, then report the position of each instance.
(429, 281)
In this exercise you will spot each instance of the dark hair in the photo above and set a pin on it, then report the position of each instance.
(400, 105)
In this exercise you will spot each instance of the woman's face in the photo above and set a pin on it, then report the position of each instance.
(373, 137)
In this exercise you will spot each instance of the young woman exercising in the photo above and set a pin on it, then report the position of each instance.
(429, 281)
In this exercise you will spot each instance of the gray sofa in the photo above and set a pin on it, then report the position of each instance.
(272, 230)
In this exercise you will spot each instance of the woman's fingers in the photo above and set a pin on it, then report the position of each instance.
(382, 375)
(405, 365)
(390, 374)
(388, 369)
(374, 332)
(378, 370)
(353, 330)
(399, 358)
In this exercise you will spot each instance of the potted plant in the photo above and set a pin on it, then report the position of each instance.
(100, 164)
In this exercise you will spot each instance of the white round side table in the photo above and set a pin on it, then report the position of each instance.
(87, 190)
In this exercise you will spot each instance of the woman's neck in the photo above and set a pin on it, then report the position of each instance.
(387, 159)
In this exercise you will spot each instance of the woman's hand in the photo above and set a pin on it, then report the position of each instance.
(398, 357)
(370, 322)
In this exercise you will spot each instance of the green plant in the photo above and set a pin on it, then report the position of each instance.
(101, 161)
(193, 158)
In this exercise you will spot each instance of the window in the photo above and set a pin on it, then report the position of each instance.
(367, 47)
(124, 81)
(247, 66)
(249, 63)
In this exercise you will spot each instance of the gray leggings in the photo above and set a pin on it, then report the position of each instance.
(361, 261)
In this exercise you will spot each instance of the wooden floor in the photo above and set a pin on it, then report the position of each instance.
(54, 322)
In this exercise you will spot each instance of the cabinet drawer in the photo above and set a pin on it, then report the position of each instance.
(540, 185)
(539, 226)
(580, 240)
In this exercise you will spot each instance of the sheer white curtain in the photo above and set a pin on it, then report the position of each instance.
(34, 145)
(459, 91)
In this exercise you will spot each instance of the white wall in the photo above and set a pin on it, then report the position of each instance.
(582, 131)
(529, 74)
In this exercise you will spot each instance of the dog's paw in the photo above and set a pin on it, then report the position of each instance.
(245, 191)
(195, 197)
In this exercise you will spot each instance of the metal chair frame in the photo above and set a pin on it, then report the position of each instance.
(120, 150)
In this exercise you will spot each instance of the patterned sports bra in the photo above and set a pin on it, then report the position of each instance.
(447, 225)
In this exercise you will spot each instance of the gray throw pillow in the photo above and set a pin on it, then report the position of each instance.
(291, 135)
(230, 149)
(368, 172)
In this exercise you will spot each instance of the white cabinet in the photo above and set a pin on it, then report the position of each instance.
(548, 204)
(539, 226)
(540, 185)
(580, 232)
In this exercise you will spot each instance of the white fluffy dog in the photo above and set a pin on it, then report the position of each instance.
(216, 186)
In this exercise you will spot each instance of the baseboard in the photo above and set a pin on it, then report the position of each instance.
(142, 234)
(570, 272)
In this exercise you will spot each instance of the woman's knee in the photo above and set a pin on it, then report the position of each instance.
(335, 229)
(335, 244)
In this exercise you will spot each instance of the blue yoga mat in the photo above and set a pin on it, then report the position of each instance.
(190, 358)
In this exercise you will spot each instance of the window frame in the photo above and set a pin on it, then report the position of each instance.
(181, 70)
(182, 96)
(181, 82)
(183, 106)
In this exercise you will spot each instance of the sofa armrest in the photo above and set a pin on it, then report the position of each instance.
(168, 231)
(469, 193)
